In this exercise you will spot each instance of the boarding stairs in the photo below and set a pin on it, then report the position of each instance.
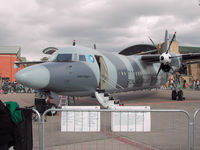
(106, 100)
(63, 101)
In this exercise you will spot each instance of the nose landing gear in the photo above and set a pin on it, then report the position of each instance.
(42, 103)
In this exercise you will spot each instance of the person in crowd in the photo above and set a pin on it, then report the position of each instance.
(5, 87)
(184, 84)
(197, 84)
(193, 85)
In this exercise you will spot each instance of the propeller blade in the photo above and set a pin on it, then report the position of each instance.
(152, 42)
(171, 42)
(166, 43)
(159, 70)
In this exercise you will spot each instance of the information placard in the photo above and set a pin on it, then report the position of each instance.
(131, 121)
(83, 121)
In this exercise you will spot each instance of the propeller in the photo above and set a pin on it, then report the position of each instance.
(165, 58)
(171, 42)
(152, 42)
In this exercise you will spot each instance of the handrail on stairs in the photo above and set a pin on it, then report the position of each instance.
(111, 83)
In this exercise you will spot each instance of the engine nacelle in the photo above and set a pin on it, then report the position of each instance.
(165, 67)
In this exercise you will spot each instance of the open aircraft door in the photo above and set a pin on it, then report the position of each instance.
(103, 72)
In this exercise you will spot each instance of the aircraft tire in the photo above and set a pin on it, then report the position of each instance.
(174, 95)
(180, 95)
(51, 106)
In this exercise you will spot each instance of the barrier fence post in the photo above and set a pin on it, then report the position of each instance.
(39, 128)
(194, 128)
(42, 132)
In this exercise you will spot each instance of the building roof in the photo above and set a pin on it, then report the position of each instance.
(189, 49)
(10, 50)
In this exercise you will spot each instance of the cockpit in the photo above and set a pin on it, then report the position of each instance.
(68, 57)
(64, 58)
(62, 55)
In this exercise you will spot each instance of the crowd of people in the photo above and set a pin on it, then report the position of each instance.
(14, 87)
(195, 84)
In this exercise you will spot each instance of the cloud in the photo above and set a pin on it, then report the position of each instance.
(112, 25)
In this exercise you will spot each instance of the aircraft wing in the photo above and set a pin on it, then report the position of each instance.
(190, 58)
(148, 52)
(17, 64)
(30, 62)
(194, 62)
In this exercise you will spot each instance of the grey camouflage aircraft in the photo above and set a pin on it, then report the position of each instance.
(79, 71)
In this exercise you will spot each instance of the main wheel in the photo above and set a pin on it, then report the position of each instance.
(51, 106)
(174, 95)
(180, 95)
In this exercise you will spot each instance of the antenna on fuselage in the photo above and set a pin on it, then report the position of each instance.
(95, 46)
(74, 42)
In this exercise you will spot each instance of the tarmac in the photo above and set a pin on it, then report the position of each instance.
(169, 130)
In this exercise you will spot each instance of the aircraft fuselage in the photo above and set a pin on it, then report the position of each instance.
(75, 71)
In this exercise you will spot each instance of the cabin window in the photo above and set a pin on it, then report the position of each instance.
(64, 57)
(82, 58)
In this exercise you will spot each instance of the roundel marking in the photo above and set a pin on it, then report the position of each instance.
(91, 58)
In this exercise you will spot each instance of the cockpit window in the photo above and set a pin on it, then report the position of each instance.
(64, 57)
(82, 58)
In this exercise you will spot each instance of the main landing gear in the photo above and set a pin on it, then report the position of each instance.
(178, 95)
(177, 92)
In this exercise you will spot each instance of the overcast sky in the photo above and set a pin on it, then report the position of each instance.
(112, 24)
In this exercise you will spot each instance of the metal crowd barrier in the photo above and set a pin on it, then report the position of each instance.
(170, 129)
(196, 130)
(37, 128)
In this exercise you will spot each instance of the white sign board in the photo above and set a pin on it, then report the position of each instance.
(131, 121)
(83, 121)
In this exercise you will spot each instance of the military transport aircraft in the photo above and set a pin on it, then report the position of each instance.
(79, 71)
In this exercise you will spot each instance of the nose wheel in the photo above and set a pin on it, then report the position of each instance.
(53, 112)
(43, 103)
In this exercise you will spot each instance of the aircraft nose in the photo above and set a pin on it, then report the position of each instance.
(36, 77)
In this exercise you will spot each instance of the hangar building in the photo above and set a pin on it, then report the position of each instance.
(8, 55)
